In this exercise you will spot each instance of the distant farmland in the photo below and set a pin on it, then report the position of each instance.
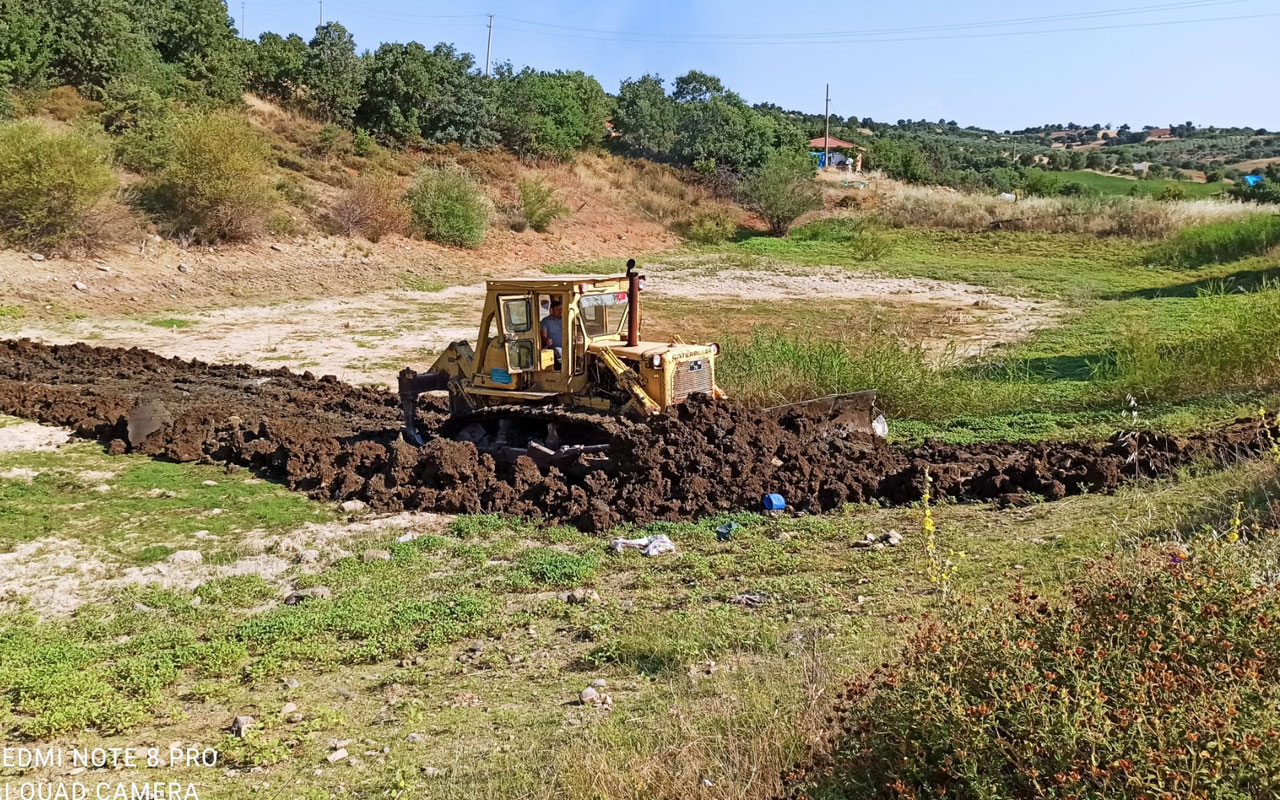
(1111, 184)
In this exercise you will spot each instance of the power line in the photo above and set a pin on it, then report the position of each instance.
(1133, 10)
(878, 39)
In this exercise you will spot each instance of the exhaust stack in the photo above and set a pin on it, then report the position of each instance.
(633, 303)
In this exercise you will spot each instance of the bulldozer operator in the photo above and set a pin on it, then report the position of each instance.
(553, 330)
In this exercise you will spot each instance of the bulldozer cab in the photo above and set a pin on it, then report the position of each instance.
(535, 332)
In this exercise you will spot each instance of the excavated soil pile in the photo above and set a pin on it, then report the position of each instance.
(337, 442)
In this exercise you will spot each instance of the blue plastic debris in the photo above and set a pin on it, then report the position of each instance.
(774, 502)
(725, 532)
(1252, 180)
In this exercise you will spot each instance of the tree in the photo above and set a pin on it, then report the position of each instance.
(333, 74)
(26, 44)
(276, 66)
(645, 118)
(434, 96)
(782, 190)
(97, 40)
(696, 85)
(199, 39)
(549, 114)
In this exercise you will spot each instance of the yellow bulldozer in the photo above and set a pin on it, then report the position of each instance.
(558, 357)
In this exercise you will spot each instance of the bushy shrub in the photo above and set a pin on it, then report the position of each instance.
(861, 237)
(539, 204)
(371, 207)
(711, 228)
(215, 187)
(363, 144)
(52, 185)
(1157, 676)
(448, 207)
(1220, 242)
(782, 190)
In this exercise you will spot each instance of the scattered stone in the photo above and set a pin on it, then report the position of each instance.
(599, 683)
(240, 726)
(292, 683)
(336, 755)
(310, 593)
(308, 556)
(78, 771)
(100, 488)
(892, 538)
(141, 607)
(288, 709)
(414, 737)
(103, 268)
(195, 601)
(210, 483)
(476, 647)
(750, 599)
(184, 269)
(296, 717)
(352, 506)
(589, 697)
(375, 555)
(579, 597)
(36, 256)
(434, 772)
(186, 557)
(79, 286)
(277, 248)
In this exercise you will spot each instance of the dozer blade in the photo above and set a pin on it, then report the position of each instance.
(840, 414)
(411, 385)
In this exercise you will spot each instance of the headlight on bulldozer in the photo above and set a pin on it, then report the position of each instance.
(715, 348)
(657, 361)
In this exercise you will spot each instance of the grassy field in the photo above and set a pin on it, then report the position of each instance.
(1190, 347)
(452, 669)
(1112, 184)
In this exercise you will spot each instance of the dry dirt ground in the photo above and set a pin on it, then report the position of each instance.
(368, 337)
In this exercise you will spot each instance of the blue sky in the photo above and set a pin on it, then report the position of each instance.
(915, 59)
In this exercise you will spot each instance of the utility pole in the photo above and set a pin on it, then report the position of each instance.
(242, 30)
(321, 13)
(489, 47)
(826, 136)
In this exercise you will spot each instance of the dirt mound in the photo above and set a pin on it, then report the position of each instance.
(336, 442)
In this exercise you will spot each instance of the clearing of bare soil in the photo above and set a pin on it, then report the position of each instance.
(336, 441)
(369, 337)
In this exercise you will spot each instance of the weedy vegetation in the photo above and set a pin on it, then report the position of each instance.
(446, 206)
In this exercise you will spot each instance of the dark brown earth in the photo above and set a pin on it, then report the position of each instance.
(335, 441)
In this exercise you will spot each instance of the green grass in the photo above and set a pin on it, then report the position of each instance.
(12, 312)
(135, 508)
(600, 266)
(418, 283)
(1192, 348)
(391, 652)
(1114, 185)
(170, 322)
(1220, 242)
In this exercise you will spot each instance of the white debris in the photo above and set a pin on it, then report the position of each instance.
(648, 545)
